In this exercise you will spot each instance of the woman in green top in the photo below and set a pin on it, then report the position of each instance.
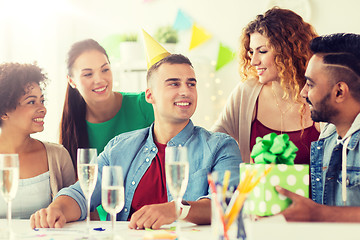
(93, 113)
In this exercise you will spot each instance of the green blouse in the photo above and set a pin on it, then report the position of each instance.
(135, 113)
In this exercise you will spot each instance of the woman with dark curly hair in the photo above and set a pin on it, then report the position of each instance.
(273, 57)
(45, 167)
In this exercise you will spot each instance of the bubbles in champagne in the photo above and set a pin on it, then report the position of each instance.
(9, 182)
(87, 178)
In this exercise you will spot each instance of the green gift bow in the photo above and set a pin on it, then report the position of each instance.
(273, 148)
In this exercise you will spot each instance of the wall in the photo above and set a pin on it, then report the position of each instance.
(43, 30)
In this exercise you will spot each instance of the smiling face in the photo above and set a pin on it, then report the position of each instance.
(92, 76)
(263, 58)
(317, 91)
(30, 112)
(172, 91)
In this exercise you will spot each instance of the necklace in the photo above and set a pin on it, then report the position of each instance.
(282, 113)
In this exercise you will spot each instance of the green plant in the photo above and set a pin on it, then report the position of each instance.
(166, 34)
(128, 37)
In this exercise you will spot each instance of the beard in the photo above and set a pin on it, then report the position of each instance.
(324, 112)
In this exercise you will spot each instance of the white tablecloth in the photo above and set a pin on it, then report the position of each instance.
(271, 228)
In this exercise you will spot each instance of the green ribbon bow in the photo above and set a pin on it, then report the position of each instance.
(273, 148)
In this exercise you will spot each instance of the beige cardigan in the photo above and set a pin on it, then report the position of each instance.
(236, 117)
(61, 168)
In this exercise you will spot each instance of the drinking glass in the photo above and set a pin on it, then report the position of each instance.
(87, 168)
(177, 175)
(112, 191)
(9, 181)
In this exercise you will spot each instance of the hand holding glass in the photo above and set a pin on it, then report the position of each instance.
(9, 180)
(177, 175)
(87, 168)
(112, 191)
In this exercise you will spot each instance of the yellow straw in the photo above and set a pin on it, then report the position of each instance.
(227, 175)
(235, 210)
(246, 186)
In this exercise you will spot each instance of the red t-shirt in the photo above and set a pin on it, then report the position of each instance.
(152, 186)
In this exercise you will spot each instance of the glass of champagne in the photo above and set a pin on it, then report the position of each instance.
(9, 181)
(177, 175)
(112, 192)
(87, 169)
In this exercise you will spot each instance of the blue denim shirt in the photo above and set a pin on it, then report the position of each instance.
(134, 151)
(326, 160)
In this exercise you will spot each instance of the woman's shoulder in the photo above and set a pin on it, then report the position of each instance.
(54, 147)
(133, 98)
(247, 88)
(132, 94)
(252, 82)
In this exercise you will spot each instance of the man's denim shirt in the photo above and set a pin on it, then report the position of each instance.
(134, 151)
(326, 160)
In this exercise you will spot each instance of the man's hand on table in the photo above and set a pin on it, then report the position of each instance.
(153, 216)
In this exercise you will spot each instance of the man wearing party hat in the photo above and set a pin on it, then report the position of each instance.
(171, 89)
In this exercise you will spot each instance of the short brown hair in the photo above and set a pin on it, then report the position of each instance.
(171, 59)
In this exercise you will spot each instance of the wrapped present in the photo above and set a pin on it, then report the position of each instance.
(277, 150)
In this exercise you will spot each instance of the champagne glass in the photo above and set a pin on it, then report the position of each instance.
(87, 168)
(177, 175)
(112, 192)
(9, 181)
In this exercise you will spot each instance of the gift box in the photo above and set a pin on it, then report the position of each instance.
(264, 200)
(278, 152)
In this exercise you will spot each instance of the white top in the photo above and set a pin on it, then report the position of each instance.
(32, 195)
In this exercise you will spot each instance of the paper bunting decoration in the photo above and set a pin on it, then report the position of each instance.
(273, 148)
(182, 21)
(154, 51)
(225, 55)
(199, 36)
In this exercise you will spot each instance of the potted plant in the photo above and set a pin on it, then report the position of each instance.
(130, 49)
(167, 37)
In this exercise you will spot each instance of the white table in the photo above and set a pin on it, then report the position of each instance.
(271, 228)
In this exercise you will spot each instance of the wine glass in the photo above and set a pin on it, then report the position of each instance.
(9, 181)
(87, 169)
(177, 175)
(112, 192)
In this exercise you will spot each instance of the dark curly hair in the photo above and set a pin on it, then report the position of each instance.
(15, 80)
(289, 37)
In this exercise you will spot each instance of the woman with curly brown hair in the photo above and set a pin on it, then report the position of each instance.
(45, 167)
(274, 54)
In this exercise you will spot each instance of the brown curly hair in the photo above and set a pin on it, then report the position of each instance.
(289, 37)
(15, 80)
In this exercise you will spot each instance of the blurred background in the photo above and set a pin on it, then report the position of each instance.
(207, 31)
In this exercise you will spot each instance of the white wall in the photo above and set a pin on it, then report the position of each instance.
(43, 30)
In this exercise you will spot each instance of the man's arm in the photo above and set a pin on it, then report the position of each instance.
(64, 209)
(304, 209)
(155, 215)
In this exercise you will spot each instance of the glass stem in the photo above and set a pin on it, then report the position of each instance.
(9, 216)
(177, 209)
(88, 215)
(113, 219)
